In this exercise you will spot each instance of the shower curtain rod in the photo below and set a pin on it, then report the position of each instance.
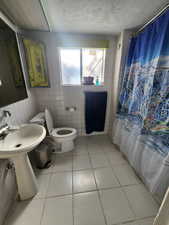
(151, 20)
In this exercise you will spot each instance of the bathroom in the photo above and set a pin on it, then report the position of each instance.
(106, 173)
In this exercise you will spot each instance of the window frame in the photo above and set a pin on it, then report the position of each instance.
(81, 69)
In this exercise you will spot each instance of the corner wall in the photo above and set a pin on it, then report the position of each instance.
(122, 45)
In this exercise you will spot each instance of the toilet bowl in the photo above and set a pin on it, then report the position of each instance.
(64, 136)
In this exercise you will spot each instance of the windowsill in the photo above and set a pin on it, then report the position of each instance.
(71, 85)
(82, 85)
(94, 85)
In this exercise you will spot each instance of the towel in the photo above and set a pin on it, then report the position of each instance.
(95, 111)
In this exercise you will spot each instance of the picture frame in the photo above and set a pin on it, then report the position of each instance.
(36, 62)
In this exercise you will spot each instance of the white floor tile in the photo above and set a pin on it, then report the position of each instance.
(105, 178)
(109, 147)
(125, 174)
(80, 150)
(87, 209)
(60, 184)
(82, 140)
(95, 149)
(148, 221)
(141, 201)
(26, 213)
(98, 139)
(62, 164)
(83, 181)
(116, 206)
(81, 162)
(116, 158)
(99, 160)
(58, 211)
(43, 182)
(121, 204)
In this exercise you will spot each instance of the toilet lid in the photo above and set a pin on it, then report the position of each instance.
(49, 121)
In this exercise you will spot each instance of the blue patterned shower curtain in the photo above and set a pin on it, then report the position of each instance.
(143, 109)
(144, 96)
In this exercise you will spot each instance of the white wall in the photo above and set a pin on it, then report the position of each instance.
(122, 45)
(56, 98)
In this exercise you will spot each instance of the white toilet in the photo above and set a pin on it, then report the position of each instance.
(63, 136)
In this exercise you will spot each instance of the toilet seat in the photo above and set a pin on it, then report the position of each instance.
(62, 132)
(63, 136)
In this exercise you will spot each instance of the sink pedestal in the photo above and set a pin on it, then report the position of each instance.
(26, 180)
(15, 147)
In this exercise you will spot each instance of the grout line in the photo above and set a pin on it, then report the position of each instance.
(73, 204)
(130, 205)
(45, 199)
(43, 211)
(58, 196)
(101, 204)
(99, 196)
(117, 177)
(136, 220)
(82, 192)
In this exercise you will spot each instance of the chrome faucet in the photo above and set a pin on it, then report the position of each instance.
(7, 113)
(4, 129)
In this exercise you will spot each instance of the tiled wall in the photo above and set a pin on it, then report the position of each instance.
(56, 98)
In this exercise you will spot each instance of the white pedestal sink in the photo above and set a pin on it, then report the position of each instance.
(15, 146)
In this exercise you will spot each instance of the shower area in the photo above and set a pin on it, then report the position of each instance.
(141, 125)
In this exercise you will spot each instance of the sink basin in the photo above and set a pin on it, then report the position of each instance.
(15, 147)
(22, 141)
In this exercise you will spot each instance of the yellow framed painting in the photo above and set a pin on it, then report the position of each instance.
(36, 62)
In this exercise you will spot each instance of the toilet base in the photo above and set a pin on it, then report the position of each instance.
(67, 146)
(64, 143)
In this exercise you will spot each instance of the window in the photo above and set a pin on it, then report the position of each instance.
(77, 64)
(70, 66)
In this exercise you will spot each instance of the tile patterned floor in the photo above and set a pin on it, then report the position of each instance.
(93, 185)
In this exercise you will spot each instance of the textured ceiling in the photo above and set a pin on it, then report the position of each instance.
(25, 13)
(99, 16)
(85, 16)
